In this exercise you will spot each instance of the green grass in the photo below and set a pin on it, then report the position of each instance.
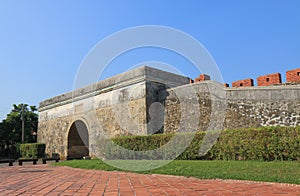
(283, 172)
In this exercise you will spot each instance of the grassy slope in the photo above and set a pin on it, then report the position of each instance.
(284, 172)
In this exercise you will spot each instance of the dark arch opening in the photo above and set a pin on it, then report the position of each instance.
(78, 140)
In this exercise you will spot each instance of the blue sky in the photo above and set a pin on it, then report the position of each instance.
(42, 43)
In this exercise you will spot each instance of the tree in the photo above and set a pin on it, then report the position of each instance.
(11, 128)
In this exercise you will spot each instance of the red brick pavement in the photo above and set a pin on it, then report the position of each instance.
(49, 180)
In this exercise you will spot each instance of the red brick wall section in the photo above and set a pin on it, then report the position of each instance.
(243, 83)
(293, 75)
(269, 79)
(202, 77)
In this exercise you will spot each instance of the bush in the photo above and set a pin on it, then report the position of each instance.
(32, 150)
(265, 144)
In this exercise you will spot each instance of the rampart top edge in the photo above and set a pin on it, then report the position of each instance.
(140, 74)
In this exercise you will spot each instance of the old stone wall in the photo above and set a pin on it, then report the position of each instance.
(115, 106)
(111, 113)
(54, 133)
(244, 107)
(147, 101)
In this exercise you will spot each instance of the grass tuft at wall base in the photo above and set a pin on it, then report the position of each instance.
(263, 144)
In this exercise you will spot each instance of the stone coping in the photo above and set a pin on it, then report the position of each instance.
(138, 75)
(259, 93)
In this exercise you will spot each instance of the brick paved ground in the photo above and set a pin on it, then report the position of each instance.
(48, 180)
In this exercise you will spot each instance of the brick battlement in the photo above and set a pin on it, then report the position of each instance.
(243, 83)
(202, 77)
(270, 79)
(292, 77)
(202, 106)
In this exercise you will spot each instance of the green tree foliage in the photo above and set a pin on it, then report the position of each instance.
(33, 150)
(11, 129)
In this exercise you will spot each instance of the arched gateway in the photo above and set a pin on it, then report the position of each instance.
(78, 140)
(121, 104)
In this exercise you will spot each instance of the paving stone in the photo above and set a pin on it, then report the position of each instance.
(66, 181)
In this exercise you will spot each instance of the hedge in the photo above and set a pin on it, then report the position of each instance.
(265, 144)
(32, 150)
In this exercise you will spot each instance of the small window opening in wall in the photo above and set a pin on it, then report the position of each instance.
(241, 84)
(298, 74)
(268, 79)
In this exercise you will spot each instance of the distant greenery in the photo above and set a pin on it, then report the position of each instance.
(263, 144)
(33, 150)
(11, 129)
(278, 171)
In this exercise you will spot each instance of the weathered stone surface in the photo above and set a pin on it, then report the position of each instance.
(115, 106)
(147, 101)
(245, 107)
(198, 106)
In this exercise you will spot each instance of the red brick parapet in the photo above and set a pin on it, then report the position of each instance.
(202, 77)
(243, 83)
(269, 79)
(293, 75)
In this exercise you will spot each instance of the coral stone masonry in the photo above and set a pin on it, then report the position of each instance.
(145, 101)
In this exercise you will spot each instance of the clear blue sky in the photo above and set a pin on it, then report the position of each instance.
(42, 43)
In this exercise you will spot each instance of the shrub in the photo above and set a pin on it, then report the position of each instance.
(265, 144)
(32, 150)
